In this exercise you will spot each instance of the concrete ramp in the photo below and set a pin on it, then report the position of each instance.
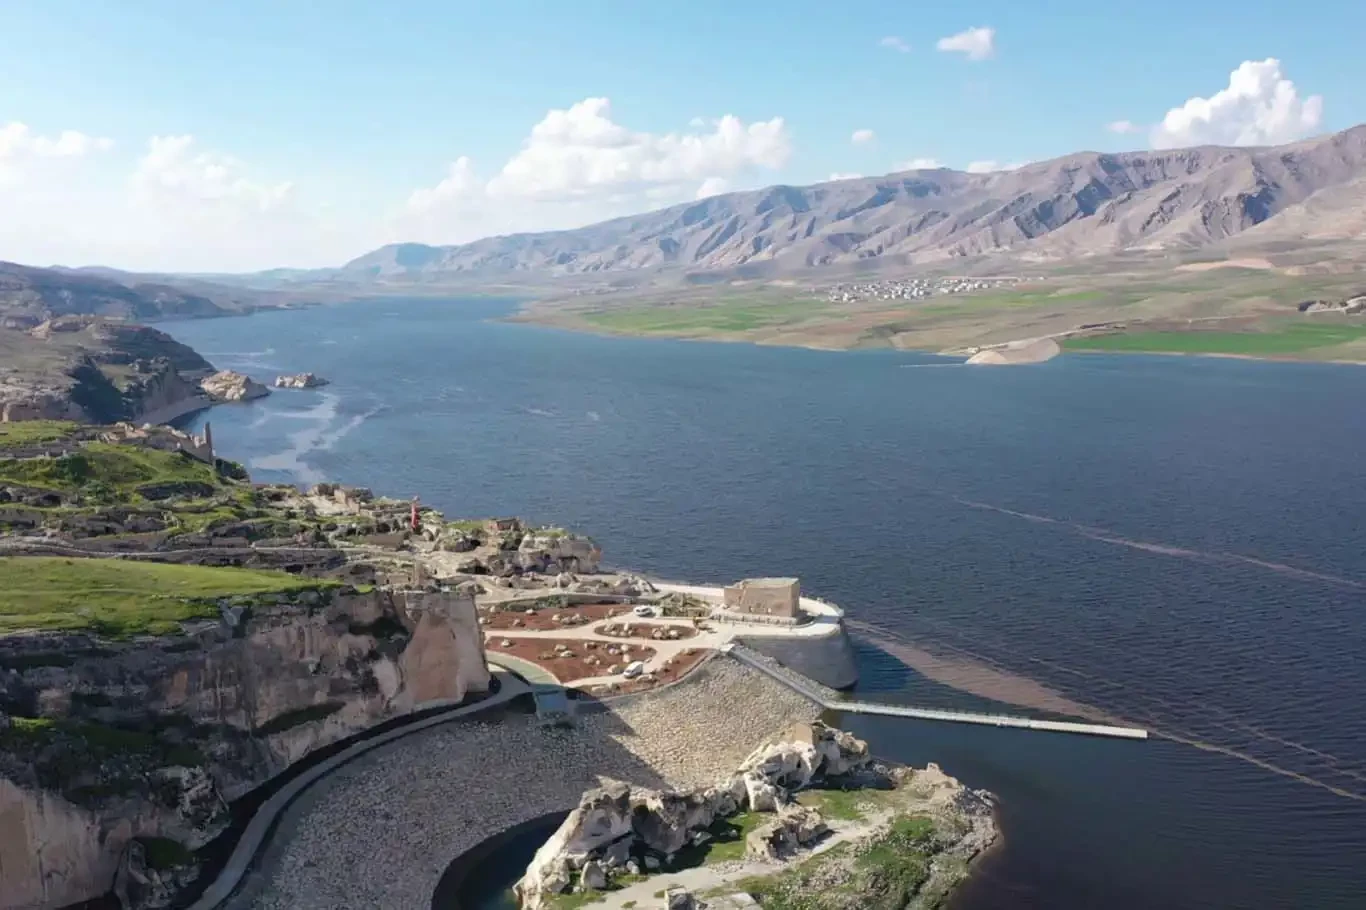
(817, 694)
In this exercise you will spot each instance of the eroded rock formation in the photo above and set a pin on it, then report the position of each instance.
(152, 737)
(227, 385)
(299, 381)
(615, 824)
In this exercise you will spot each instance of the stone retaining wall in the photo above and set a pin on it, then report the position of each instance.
(380, 831)
(828, 659)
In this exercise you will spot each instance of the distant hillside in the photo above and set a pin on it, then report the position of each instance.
(30, 295)
(1079, 205)
(35, 294)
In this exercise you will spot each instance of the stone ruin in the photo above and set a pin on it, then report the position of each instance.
(779, 597)
(166, 439)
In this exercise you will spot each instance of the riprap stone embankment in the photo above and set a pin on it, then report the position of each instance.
(381, 831)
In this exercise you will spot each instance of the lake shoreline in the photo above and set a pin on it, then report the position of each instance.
(531, 317)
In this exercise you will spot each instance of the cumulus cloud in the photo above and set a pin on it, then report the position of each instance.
(173, 168)
(1260, 106)
(18, 140)
(862, 136)
(579, 165)
(1122, 127)
(978, 43)
(712, 186)
(896, 44)
(841, 175)
(917, 164)
(169, 205)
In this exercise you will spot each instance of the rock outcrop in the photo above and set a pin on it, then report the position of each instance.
(553, 551)
(227, 385)
(152, 737)
(1028, 350)
(299, 381)
(615, 824)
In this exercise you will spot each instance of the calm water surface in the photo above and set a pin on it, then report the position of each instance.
(1176, 542)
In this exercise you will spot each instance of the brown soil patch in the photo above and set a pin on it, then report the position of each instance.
(1260, 264)
(682, 665)
(544, 619)
(642, 630)
(543, 653)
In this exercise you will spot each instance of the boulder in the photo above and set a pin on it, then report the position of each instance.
(227, 385)
(794, 827)
(677, 898)
(593, 876)
(299, 381)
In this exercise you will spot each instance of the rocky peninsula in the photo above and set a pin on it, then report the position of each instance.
(808, 819)
(174, 638)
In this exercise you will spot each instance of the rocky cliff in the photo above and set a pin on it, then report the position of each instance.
(104, 740)
(90, 369)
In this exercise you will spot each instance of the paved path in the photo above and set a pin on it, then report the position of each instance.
(258, 829)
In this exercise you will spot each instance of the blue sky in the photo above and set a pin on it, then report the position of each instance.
(304, 134)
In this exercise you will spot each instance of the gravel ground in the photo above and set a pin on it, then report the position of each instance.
(380, 831)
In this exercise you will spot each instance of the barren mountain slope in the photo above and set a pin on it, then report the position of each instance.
(1078, 205)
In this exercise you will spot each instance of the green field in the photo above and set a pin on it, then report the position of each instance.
(30, 432)
(120, 598)
(735, 314)
(1285, 340)
(121, 468)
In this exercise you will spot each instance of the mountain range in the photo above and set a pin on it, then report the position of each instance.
(1084, 204)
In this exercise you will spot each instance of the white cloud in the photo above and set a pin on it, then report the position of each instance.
(896, 44)
(978, 43)
(18, 141)
(918, 164)
(862, 136)
(712, 186)
(168, 206)
(1258, 107)
(579, 165)
(172, 169)
(993, 167)
(840, 175)
(1122, 127)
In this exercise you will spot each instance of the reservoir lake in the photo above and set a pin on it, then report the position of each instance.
(1170, 542)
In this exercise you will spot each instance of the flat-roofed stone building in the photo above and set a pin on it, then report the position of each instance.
(764, 597)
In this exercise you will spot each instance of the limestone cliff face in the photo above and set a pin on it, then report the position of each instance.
(115, 740)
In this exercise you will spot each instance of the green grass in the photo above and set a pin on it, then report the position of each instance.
(885, 873)
(119, 598)
(32, 432)
(842, 805)
(572, 900)
(736, 314)
(727, 841)
(466, 525)
(121, 468)
(1288, 339)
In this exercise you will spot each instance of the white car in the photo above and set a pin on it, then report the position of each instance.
(634, 669)
(644, 610)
